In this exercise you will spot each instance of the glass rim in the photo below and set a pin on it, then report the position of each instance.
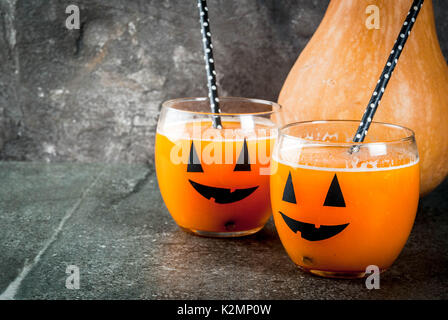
(170, 105)
(409, 137)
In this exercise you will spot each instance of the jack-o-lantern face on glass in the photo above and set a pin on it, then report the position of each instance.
(221, 195)
(336, 213)
(220, 187)
(308, 231)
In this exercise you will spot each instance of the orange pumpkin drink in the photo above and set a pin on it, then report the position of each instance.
(215, 182)
(336, 212)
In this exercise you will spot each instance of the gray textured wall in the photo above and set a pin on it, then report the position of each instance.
(93, 94)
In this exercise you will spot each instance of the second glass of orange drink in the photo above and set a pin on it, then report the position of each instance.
(215, 182)
(338, 211)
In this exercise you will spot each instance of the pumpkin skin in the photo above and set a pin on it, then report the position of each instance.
(337, 71)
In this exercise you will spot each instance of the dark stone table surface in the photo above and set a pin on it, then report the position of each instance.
(110, 221)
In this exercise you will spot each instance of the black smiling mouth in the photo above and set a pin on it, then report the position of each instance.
(222, 195)
(309, 232)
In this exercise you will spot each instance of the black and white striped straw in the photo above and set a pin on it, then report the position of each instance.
(387, 73)
(209, 63)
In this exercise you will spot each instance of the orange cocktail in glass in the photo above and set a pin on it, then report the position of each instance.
(215, 182)
(338, 212)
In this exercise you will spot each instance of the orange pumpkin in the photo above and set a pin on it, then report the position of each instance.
(336, 73)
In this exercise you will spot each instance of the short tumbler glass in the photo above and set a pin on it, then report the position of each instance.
(215, 182)
(338, 211)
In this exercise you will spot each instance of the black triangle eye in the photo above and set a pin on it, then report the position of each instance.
(288, 192)
(243, 163)
(194, 165)
(334, 196)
